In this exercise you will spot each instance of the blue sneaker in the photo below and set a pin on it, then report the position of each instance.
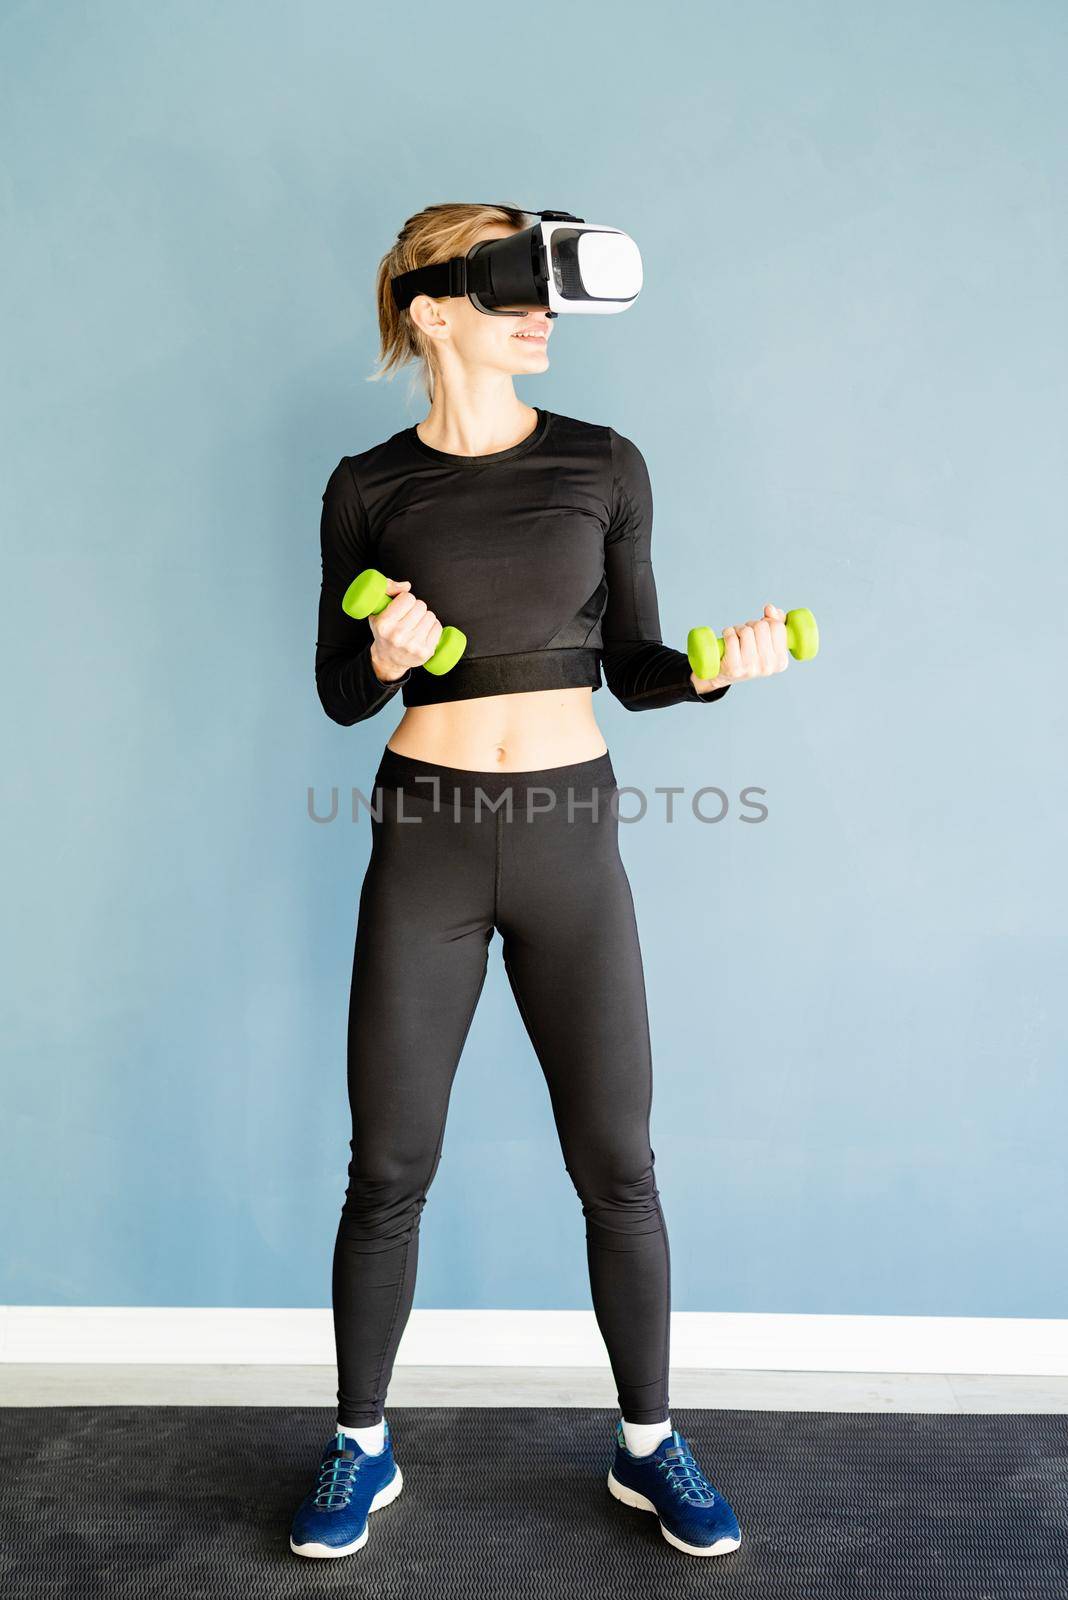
(693, 1516)
(331, 1520)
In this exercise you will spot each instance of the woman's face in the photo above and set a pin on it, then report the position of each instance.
(461, 333)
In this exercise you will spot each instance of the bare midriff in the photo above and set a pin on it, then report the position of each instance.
(503, 732)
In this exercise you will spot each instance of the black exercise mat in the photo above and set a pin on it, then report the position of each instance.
(194, 1502)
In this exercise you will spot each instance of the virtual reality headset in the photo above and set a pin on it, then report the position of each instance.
(562, 263)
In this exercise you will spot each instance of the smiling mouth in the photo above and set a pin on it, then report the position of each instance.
(533, 338)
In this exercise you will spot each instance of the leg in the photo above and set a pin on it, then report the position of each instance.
(425, 922)
(573, 960)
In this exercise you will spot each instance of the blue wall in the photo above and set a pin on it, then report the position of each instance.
(847, 374)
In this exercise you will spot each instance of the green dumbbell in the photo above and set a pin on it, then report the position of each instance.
(705, 650)
(366, 597)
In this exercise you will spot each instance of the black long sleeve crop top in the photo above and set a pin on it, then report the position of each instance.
(540, 553)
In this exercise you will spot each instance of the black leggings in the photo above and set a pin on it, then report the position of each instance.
(534, 855)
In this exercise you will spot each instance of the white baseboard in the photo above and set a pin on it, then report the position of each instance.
(712, 1340)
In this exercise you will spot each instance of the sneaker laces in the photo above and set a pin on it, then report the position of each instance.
(337, 1472)
(684, 1475)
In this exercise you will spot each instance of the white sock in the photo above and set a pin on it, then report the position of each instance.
(372, 1440)
(643, 1437)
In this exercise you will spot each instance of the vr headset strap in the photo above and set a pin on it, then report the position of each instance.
(449, 278)
(546, 216)
(443, 278)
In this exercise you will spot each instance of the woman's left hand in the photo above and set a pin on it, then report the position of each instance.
(755, 650)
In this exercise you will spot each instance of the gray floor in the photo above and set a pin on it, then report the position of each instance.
(26, 1384)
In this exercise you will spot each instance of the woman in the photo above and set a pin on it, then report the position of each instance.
(531, 532)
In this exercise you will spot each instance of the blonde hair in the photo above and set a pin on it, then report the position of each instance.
(437, 233)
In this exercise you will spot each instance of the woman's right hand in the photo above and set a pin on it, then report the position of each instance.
(406, 633)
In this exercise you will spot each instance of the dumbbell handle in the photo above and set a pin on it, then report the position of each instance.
(366, 596)
(705, 651)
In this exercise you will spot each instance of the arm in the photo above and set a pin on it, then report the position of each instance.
(348, 685)
(641, 671)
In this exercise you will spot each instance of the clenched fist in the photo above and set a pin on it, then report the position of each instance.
(406, 633)
(757, 649)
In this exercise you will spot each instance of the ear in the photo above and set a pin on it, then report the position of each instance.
(428, 316)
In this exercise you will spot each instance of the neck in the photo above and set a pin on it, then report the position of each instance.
(477, 417)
